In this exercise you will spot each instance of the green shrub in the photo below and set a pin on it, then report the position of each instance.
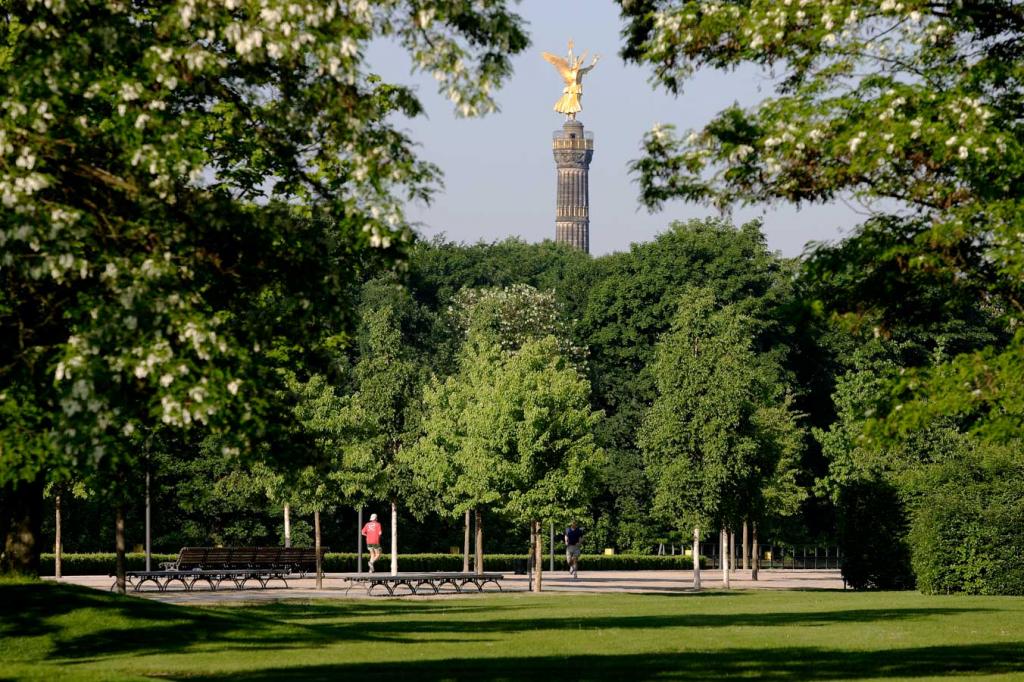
(872, 530)
(966, 531)
(102, 563)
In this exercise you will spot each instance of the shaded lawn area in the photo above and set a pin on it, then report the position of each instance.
(51, 631)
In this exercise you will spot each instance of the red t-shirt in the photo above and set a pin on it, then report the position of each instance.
(372, 531)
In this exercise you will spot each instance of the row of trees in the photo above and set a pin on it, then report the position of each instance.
(479, 398)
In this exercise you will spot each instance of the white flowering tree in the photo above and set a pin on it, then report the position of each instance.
(910, 106)
(189, 187)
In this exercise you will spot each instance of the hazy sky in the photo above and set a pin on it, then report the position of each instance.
(499, 173)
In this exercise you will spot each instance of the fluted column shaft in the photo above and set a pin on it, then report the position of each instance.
(573, 151)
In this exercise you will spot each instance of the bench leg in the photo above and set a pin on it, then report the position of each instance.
(406, 583)
(373, 584)
(267, 579)
(428, 583)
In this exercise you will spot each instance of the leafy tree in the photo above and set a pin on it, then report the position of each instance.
(188, 186)
(491, 323)
(632, 303)
(721, 441)
(912, 107)
(438, 270)
(514, 430)
(388, 381)
(510, 316)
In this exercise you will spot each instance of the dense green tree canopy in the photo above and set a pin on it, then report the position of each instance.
(916, 103)
(721, 441)
(514, 431)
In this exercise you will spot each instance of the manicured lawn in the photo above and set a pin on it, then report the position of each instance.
(50, 631)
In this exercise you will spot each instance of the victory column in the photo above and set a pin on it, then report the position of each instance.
(573, 149)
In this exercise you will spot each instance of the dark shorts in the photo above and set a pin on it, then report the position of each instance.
(369, 546)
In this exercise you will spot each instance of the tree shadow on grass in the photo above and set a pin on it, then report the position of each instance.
(157, 628)
(28, 609)
(303, 627)
(771, 664)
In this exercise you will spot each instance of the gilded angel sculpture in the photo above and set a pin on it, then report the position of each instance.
(572, 71)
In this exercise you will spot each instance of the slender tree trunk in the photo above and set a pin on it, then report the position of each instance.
(316, 535)
(465, 546)
(755, 550)
(746, 547)
(537, 555)
(21, 512)
(394, 538)
(696, 558)
(57, 549)
(732, 552)
(723, 537)
(479, 542)
(119, 545)
(149, 535)
(551, 566)
(287, 525)
(359, 542)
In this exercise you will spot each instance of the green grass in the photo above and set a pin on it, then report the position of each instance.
(51, 631)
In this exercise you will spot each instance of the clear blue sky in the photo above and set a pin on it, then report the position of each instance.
(499, 172)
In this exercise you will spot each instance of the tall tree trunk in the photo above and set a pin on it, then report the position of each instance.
(551, 566)
(149, 535)
(537, 555)
(479, 542)
(696, 558)
(119, 545)
(394, 538)
(359, 542)
(732, 551)
(316, 542)
(723, 537)
(287, 525)
(21, 505)
(755, 550)
(57, 549)
(465, 546)
(746, 547)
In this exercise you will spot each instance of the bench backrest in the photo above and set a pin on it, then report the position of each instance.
(218, 557)
(242, 557)
(299, 559)
(267, 557)
(302, 559)
(190, 558)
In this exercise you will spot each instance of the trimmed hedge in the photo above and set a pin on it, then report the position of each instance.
(99, 563)
(102, 563)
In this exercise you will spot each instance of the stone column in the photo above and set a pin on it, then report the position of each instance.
(573, 149)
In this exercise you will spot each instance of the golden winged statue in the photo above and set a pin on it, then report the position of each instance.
(572, 71)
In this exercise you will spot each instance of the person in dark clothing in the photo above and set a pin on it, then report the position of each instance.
(573, 538)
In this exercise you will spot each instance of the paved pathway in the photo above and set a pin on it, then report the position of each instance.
(666, 582)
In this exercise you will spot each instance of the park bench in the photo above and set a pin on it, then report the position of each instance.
(416, 583)
(213, 578)
(239, 565)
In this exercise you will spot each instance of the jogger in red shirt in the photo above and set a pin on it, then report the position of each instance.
(372, 531)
